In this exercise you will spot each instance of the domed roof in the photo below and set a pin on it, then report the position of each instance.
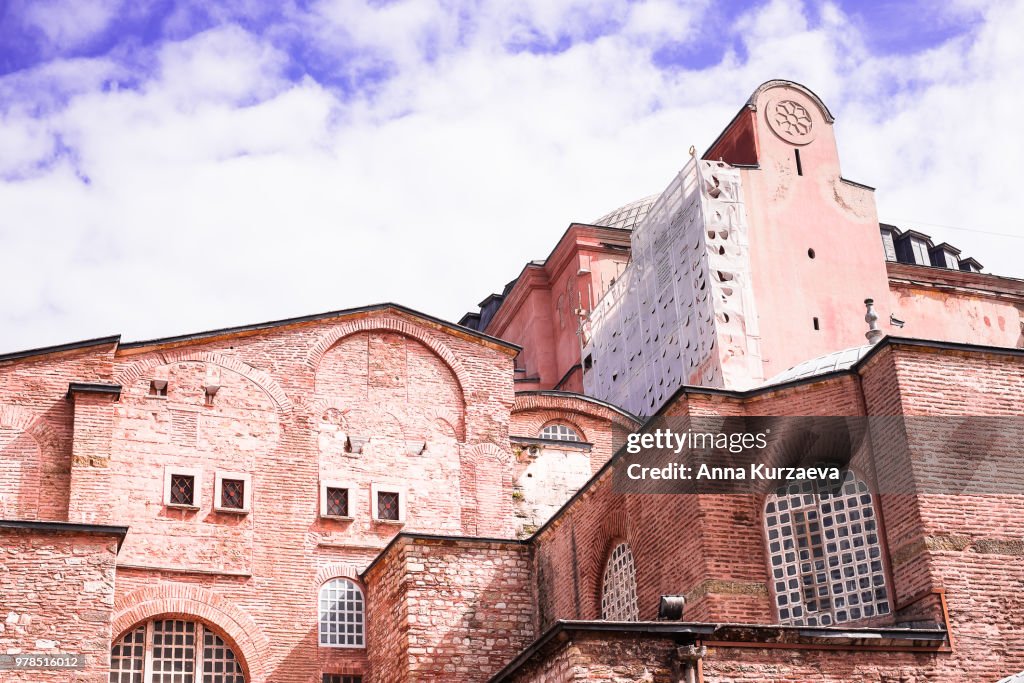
(629, 215)
(822, 365)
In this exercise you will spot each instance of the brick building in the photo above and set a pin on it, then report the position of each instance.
(378, 495)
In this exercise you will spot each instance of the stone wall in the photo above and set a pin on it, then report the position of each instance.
(57, 596)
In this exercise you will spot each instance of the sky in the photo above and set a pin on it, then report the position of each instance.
(170, 167)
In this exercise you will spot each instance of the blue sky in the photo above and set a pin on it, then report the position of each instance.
(174, 166)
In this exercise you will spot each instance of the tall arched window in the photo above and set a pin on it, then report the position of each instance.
(173, 651)
(557, 431)
(618, 589)
(824, 553)
(341, 614)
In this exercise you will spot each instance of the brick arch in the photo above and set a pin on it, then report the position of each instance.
(321, 405)
(477, 452)
(338, 570)
(346, 329)
(36, 426)
(539, 420)
(192, 602)
(263, 380)
(568, 404)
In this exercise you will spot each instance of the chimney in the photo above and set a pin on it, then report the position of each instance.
(871, 318)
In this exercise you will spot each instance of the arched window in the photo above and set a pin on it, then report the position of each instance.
(557, 431)
(824, 553)
(618, 590)
(173, 651)
(341, 614)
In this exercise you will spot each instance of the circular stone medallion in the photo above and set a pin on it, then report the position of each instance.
(790, 120)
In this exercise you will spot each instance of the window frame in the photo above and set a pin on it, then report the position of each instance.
(353, 491)
(377, 489)
(633, 589)
(562, 424)
(170, 471)
(320, 614)
(200, 630)
(798, 575)
(218, 492)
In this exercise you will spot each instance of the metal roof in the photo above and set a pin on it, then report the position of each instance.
(628, 216)
(822, 365)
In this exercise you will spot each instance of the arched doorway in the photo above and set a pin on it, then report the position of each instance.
(173, 651)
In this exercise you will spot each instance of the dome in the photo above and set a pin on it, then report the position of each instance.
(629, 215)
(822, 365)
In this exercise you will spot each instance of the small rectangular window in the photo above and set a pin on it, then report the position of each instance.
(388, 506)
(799, 165)
(232, 492)
(388, 503)
(337, 499)
(342, 678)
(337, 502)
(183, 489)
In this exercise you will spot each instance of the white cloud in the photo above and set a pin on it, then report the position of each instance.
(220, 192)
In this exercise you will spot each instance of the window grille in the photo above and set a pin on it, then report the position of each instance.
(168, 651)
(341, 614)
(183, 489)
(559, 432)
(388, 505)
(127, 657)
(337, 502)
(618, 594)
(341, 678)
(825, 554)
(174, 651)
(232, 494)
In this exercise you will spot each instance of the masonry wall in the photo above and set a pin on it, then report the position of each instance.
(57, 596)
(603, 657)
(459, 610)
(965, 540)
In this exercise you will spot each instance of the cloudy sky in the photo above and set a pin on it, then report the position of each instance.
(168, 167)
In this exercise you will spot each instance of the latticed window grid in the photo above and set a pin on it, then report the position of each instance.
(341, 614)
(387, 505)
(825, 554)
(183, 489)
(337, 502)
(232, 494)
(167, 651)
(559, 432)
(174, 651)
(128, 656)
(341, 678)
(219, 663)
(618, 592)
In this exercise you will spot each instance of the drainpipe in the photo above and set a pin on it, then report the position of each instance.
(687, 666)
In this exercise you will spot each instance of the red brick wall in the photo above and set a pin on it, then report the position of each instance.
(56, 596)
(449, 611)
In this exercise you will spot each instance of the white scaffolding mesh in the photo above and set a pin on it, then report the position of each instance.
(682, 311)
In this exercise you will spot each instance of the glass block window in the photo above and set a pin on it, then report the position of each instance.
(559, 432)
(824, 553)
(183, 489)
(618, 592)
(388, 505)
(341, 678)
(169, 651)
(128, 656)
(341, 614)
(337, 502)
(174, 651)
(232, 494)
